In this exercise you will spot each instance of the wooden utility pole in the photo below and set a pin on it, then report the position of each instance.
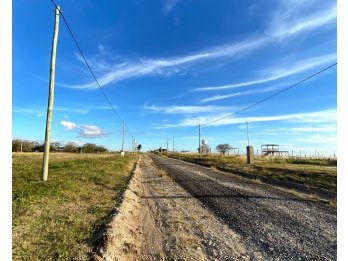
(50, 97)
(21, 145)
(199, 140)
(247, 132)
(122, 136)
(167, 145)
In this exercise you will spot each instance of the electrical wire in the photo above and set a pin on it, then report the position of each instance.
(273, 95)
(89, 68)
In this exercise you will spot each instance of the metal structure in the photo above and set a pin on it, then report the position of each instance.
(272, 150)
(234, 151)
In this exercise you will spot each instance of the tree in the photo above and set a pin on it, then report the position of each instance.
(89, 148)
(70, 147)
(223, 148)
(16, 145)
(22, 145)
(100, 149)
(41, 147)
(93, 148)
(139, 147)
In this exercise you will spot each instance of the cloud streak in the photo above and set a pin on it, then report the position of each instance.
(326, 116)
(282, 26)
(220, 97)
(286, 24)
(186, 109)
(169, 5)
(275, 73)
(167, 66)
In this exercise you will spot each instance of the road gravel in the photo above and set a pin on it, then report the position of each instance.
(268, 220)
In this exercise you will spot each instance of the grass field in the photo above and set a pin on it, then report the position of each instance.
(320, 173)
(57, 219)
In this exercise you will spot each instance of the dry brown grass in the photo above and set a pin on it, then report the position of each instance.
(320, 173)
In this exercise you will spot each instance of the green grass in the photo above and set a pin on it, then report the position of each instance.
(320, 173)
(57, 219)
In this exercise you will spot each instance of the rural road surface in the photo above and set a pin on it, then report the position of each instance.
(267, 220)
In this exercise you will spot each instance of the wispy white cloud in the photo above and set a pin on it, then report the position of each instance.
(116, 73)
(169, 5)
(302, 17)
(325, 117)
(276, 73)
(319, 139)
(286, 22)
(319, 128)
(220, 97)
(315, 127)
(102, 107)
(160, 126)
(38, 113)
(174, 109)
(77, 110)
(42, 112)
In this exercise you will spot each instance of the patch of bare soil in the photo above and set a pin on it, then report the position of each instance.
(159, 220)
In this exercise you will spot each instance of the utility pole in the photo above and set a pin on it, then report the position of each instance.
(173, 144)
(199, 140)
(21, 145)
(247, 132)
(122, 136)
(50, 97)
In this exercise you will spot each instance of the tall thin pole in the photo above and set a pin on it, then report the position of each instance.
(50, 97)
(247, 132)
(122, 135)
(21, 145)
(167, 145)
(199, 139)
(173, 144)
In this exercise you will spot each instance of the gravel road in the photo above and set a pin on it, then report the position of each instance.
(267, 220)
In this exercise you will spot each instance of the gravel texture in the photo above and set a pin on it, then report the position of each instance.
(159, 220)
(271, 223)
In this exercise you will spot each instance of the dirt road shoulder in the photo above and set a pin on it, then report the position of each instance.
(160, 220)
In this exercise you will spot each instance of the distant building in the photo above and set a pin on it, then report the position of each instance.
(204, 148)
(160, 150)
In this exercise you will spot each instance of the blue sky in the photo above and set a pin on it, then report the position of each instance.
(167, 66)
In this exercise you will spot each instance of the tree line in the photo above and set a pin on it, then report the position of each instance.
(33, 146)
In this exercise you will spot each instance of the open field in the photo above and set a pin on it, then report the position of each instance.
(58, 219)
(321, 173)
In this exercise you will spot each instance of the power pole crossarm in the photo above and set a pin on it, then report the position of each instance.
(50, 97)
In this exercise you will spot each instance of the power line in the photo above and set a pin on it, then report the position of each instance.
(263, 100)
(273, 95)
(188, 132)
(89, 68)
